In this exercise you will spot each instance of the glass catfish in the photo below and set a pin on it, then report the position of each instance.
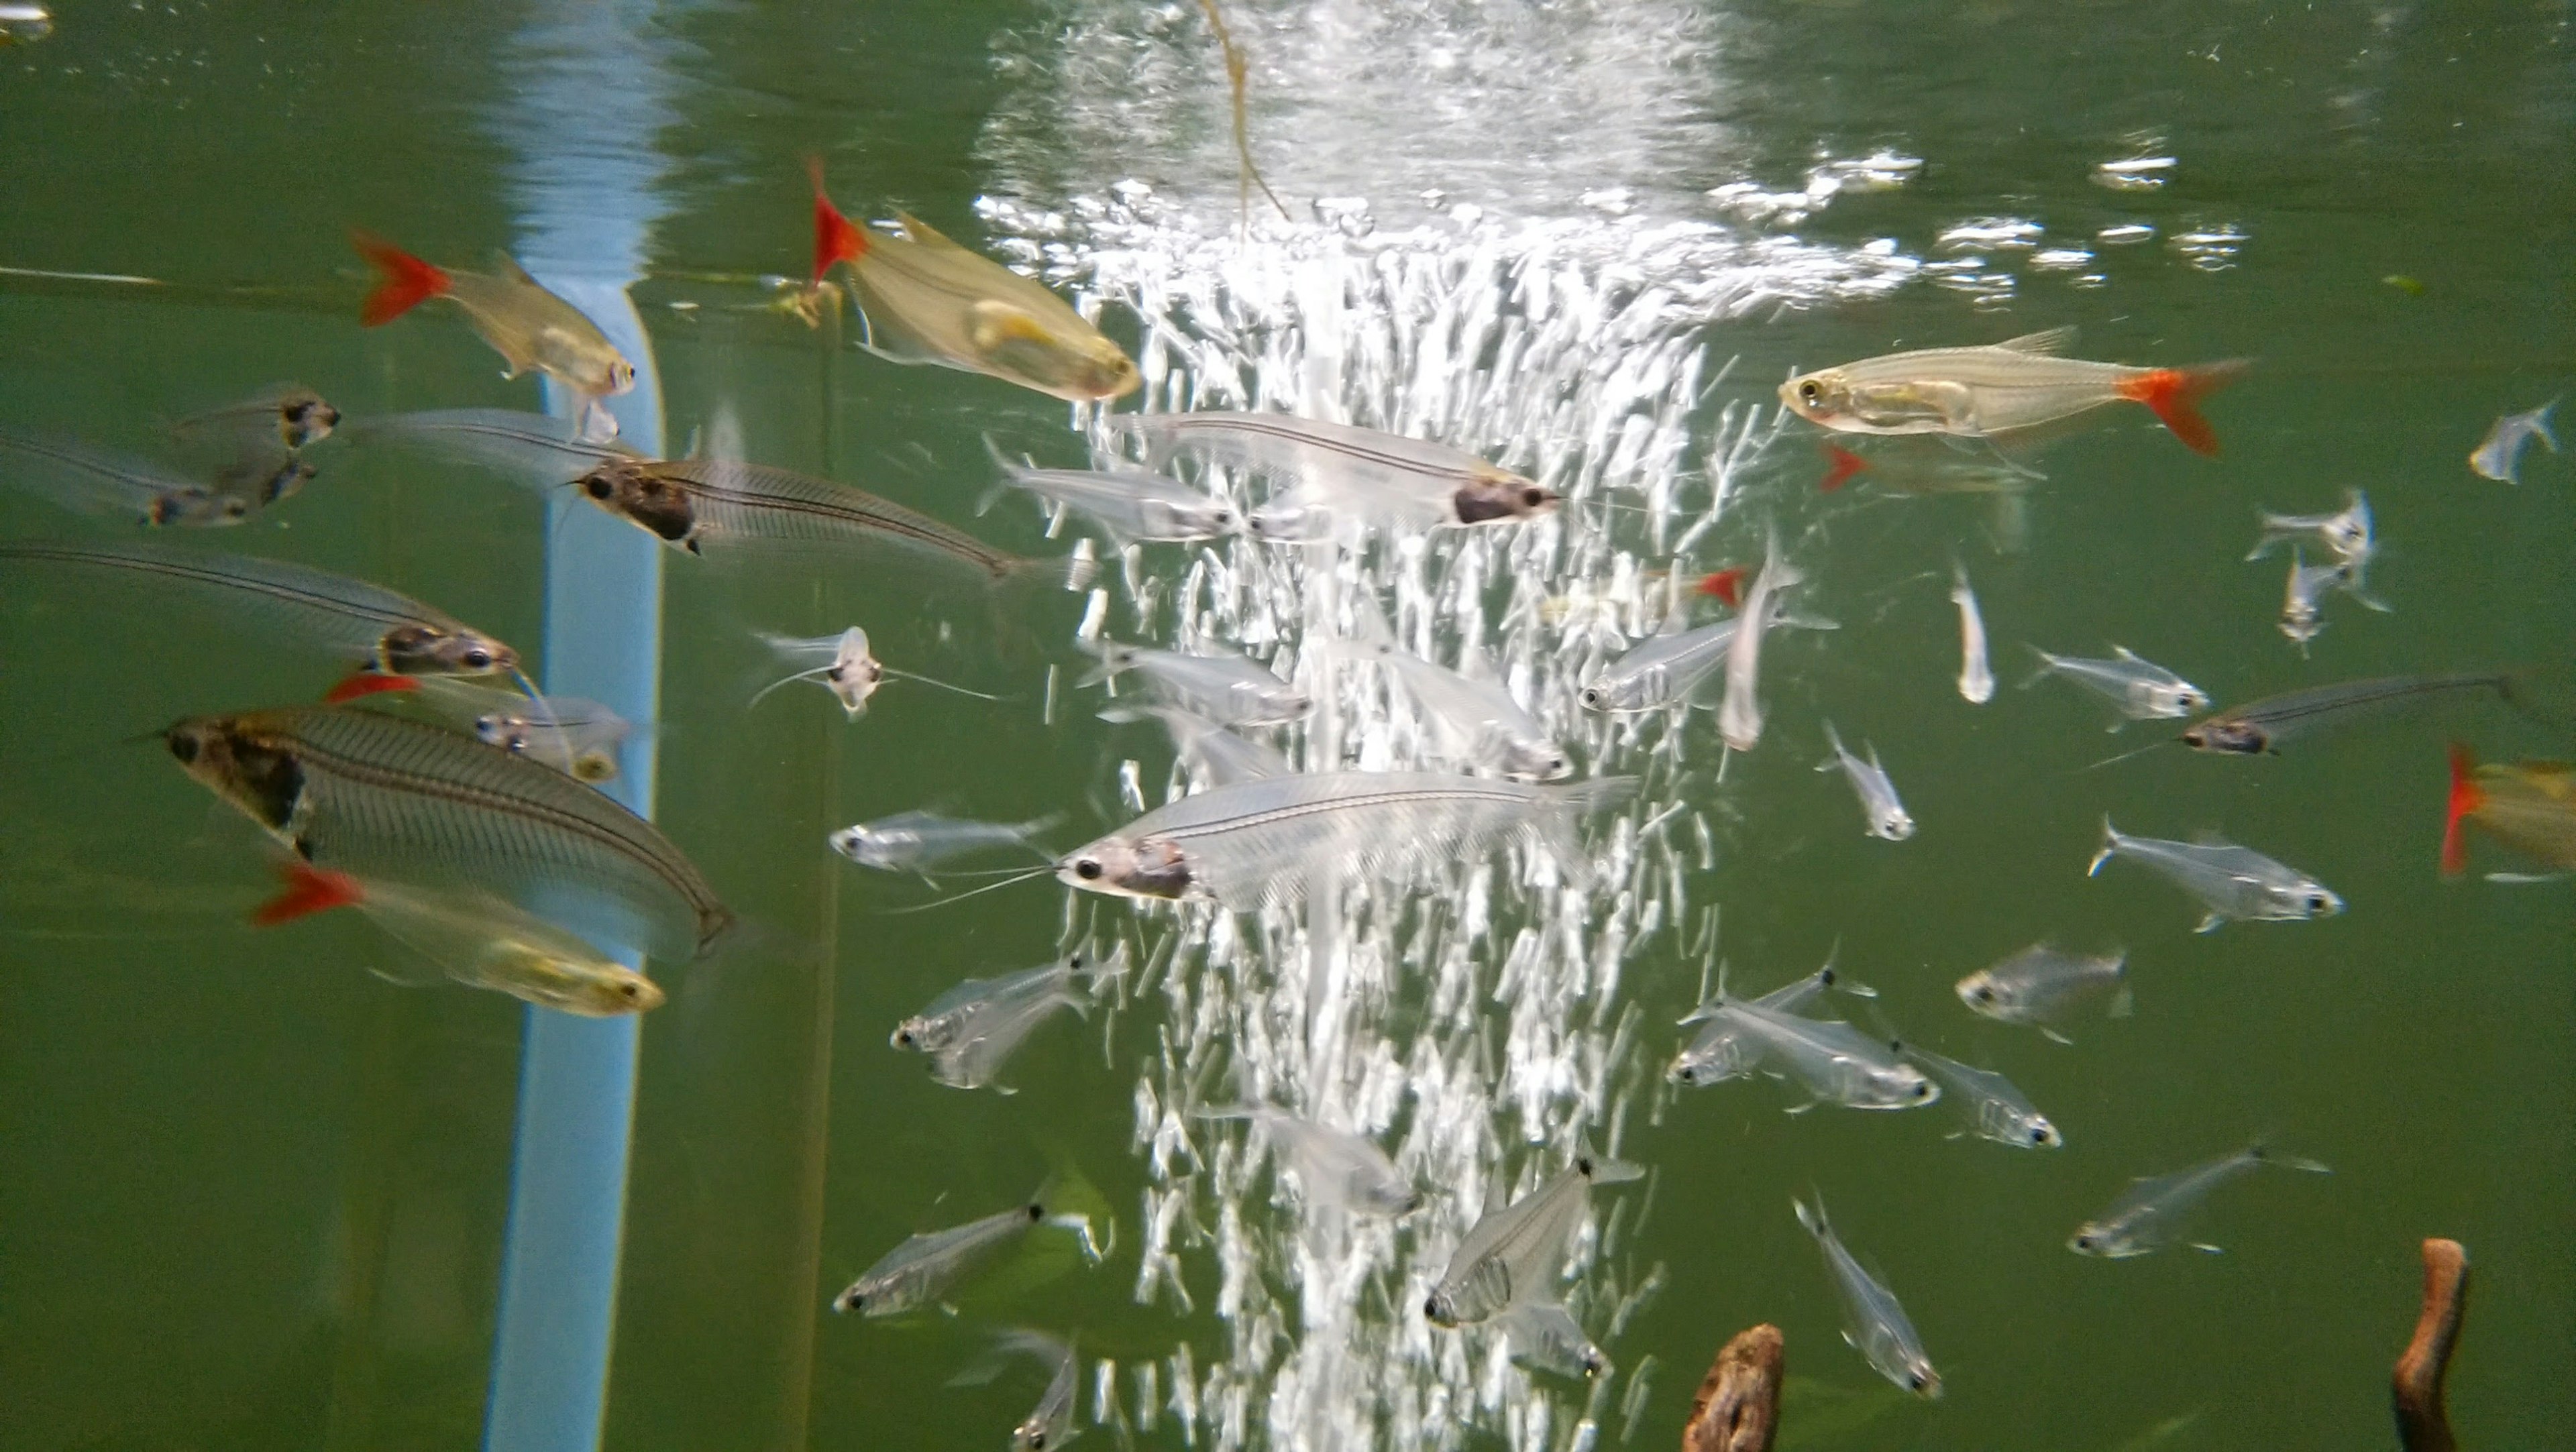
(2004, 392)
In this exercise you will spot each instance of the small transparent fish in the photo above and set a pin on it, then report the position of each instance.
(2261, 726)
(2000, 391)
(1739, 715)
(2152, 1213)
(1976, 677)
(1230, 689)
(1049, 1424)
(540, 451)
(1513, 1256)
(970, 1031)
(2498, 456)
(1475, 722)
(1544, 1336)
(578, 735)
(532, 329)
(848, 669)
(1127, 505)
(922, 842)
(1830, 1060)
(1874, 1323)
(2043, 986)
(1884, 815)
(288, 416)
(2139, 689)
(1660, 671)
(924, 299)
(92, 481)
(2233, 883)
(1998, 1110)
(1926, 470)
(1210, 750)
(2529, 806)
(1260, 843)
(1724, 1048)
(1329, 474)
(2301, 620)
(2344, 534)
(925, 1268)
(1335, 1169)
(476, 939)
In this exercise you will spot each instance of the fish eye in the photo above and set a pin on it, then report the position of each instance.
(1431, 1307)
(1687, 1074)
(1922, 1089)
(2039, 1134)
(903, 1038)
(629, 990)
(1916, 1381)
(477, 657)
(1809, 391)
(597, 487)
(1591, 696)
(1533, 497)
(1037, 1440)
(1037, 1213)
(2317, 902)
(185, 748)
(2085, 1242)
(1088, 869)
(1985, 995)
(1583, 1166)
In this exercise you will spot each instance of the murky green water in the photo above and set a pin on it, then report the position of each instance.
(252, 1196)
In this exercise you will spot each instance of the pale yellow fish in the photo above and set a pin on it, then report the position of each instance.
(1998, 392)
(531, 328)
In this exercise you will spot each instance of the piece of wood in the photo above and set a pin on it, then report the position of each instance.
(2422, 1423)
(1738, 1407)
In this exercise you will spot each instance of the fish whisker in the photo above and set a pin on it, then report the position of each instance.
(1047, 870)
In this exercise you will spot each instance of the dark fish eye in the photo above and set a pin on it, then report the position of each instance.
(2039, 1135)
(629, 990)
(1985, 995)
(1591, 697)
(1583, 1166)
(1088, 869)
(1915, 1381)
(185, 748)
(904, 1037)
(1533, 497)
(1809, 391)
(1921, 1090)
(478, 657)
(1074, 962)
(1431, 1308)
(2316, 902)
(1687, 1074)
(597, 487)
(1036, 1213)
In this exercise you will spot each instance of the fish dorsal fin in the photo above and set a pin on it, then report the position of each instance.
(2047, 341)
(508, 266)
(922, 232)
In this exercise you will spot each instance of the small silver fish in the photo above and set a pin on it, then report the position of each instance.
(1544, 1336)
(2344, 534)
(2001, 392)
(2139, 689)
(970, 1031)
(1998, 1110)
(1127, 505)
(1475, 722)
(1212, 751)
(2301, 619)
(926, 1267)
(1739, 715)
(846, 667)
(1513, 1255)
(2151, 1213)
(1884, 815)
(919, 842)
(1874, 1323)
(1335, 1169)
(2232, 882)
(2498, 456)
(1334, 474)
(1725, 1049)
(1832, 1061)
(1976, 677)
(1049, 1424)
(1230, 689)
(2043, 986)
(1662, 670)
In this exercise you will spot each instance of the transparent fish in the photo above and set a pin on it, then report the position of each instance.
(572, 734)
(2262, 726)
(1544, 1336)
(92, 481)
(1999, 391)
(351, 619)
(1230, 689)
(847, 669)
(1976, 676)
(378, 796)
(1661, 671)
(925, 1268)
(1999, 1111)
(1259, 843)
(1210, 750)
(1874, 1323)
(2232, 882)
(24, 24)
(970, 1031)
(2043, 986)
(287, 416)
(1513, 1256)
(538, 450)
(924, 299)
(2344, 534)
(1830, 1060)
(1927, 469)
(1050, 1423)
(2153, 1213)
(1726, 1048)
(2498, 456)
(1330, 474)
(923, 842)
(532, 329)
(1475, 722)
(1739, 715)
(2140, 690)
(1885, 816)
(1127, 505)
(1335, 1169)
(2529, 806)
(475, 939)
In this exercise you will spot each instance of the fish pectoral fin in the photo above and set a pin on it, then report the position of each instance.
(1800, 1108)
(2205, 1248)
(2210, 924)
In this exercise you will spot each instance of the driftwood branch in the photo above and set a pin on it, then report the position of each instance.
(1738, 1407)
(2422, 1424)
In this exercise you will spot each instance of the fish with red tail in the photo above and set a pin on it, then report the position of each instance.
(2529, 806)
(2002, 392)
(532, 329)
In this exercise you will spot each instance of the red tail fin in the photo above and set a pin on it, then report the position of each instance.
(408, 281)
(1843, 464)
(308, 890)
(367, 683)
(835, 239)
(2466, 797)
(2174, 394)
(1727, 585)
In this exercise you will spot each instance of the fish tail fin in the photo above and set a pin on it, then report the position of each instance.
(1601, 1171)
(836, 238)
(1840, 465)
(2466, 798)
(359, 685)
(406, 281)
(2047, 667)
(2175, 394)
(1073, 571)
(2540, 422)
(308, 890)
(2123, 1003)
(2262, 1153)
(1833, 744)
(2110, 846)
(1727, 585)
(1113, 658)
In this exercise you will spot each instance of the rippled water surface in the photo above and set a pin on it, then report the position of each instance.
(251, 1195)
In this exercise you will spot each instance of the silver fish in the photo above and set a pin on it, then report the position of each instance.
(925, 1268)
(1049, 1424)
(845, 666)
(1976, 677)
(1259, 843)
(1999, 1111)
(1475, 721)
(1885, 816)
(2151, 1213)
(2344, 534)
(1832, 1061)
(1335, 1169)
(2300, 617)
(2003, 391)
(1873, 1322)
(973, 1028)
(1230, 689)
(1739, 716)
(1214, 752)
(1544, 1336)
(1662, 670)
(574, 735)
(534, 449)
(2232, 882)
(1335, 473)
(2139, 689)
(1513, 1255)
(2498, 456)
(1127, 505)
(2042, 986)
(920, 842)
(1724, 1048)
(92, 481)
(2261, 726)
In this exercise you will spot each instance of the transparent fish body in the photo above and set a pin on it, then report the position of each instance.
(1874, 1323)
(1475, 720)
(970, 1031)
(481, 941)
(2260, 726)
(348, 618)
(381, 797)
(1230, 689)
(1049, 1424)
(1127, 505)
(1259, 843)
(1884, 814)
(1327, 472)
(927, 1267)
(1512, 1257)
(535, 449)
(535, 331)
(2232, 882)
(288, 416)
(2498, 456)
(841, 664)
(923, 842)
(1976, 675)
(1739, 716)
(1335, 1169)
(1975, 392)
(2043, 986)
(2153, 1213)
(1726, 1048)
(1997, 1109)
(2139, 689)
(2300, 619)
(93, 481)
(1544, 1336)
(1660, 671)
(1214, 752)
(2344, 534)
(570, 733)
(1832, 1061)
